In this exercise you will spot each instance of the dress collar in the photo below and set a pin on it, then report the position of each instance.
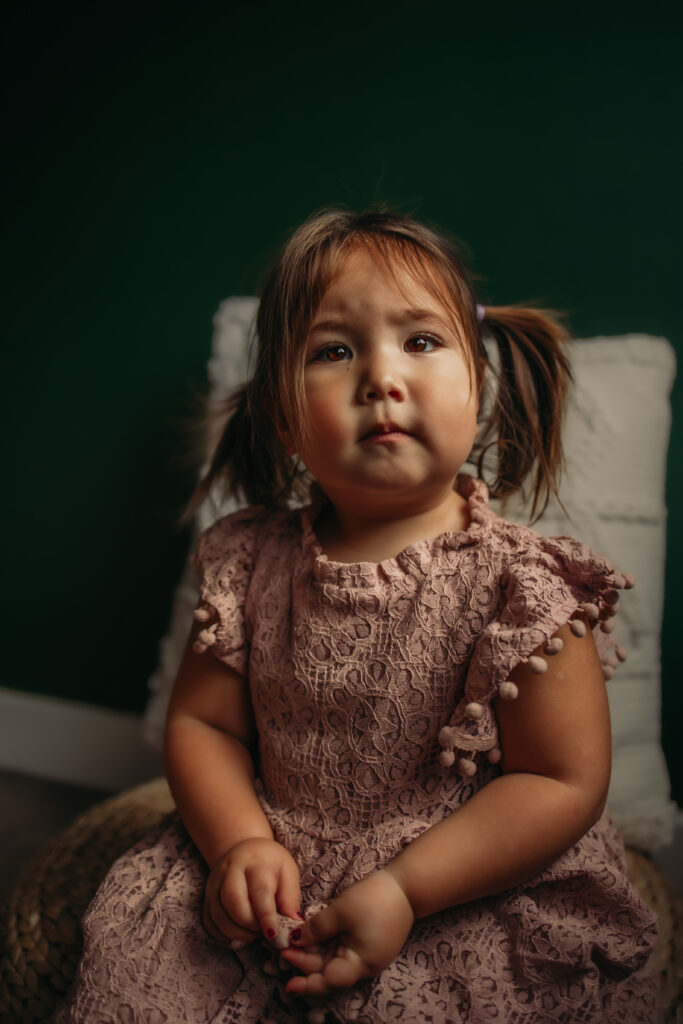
(419, 555)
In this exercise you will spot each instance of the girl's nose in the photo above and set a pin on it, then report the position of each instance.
(379, 382)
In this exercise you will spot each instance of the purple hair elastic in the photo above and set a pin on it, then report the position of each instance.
(481, 312)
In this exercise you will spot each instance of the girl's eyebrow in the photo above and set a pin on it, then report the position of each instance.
(329, 325)
(406, 315)
(402, 317)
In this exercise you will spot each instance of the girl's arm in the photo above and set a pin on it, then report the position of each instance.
(556, 745)
(555, 739)
(208, 736)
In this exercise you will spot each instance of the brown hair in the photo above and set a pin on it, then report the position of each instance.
(524, 416)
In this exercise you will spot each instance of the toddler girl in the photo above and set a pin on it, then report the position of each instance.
(389, 737)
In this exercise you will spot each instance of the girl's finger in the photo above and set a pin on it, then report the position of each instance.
(304, 960)
(289, 890)
(345, 969)
(212, 928)
(234, 900)
(313, 985)
(262, 888)
(220, 926)
(342, 971)
(324, 926)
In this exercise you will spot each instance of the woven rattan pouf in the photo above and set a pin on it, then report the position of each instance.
(40, 942)
(41, 939)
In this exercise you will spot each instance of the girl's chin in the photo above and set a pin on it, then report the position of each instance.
(399, 493)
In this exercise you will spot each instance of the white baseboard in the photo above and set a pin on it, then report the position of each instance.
(72, 742)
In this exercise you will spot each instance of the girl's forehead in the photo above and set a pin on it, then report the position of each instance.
(364, 275)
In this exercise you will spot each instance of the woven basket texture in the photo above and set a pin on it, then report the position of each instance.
(40, 939)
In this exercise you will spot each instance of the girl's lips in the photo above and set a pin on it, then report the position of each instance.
(386, 434)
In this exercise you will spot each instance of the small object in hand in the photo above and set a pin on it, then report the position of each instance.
(280, 938)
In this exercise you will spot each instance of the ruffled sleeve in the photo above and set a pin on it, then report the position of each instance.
(547, 583)
(224, 563)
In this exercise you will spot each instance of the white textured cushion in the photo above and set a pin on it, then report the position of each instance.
(616, 438)
(613, 490)
(228, 367)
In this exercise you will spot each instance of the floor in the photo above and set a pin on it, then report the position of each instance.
(31, 811)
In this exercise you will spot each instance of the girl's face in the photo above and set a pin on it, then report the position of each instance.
(391, 402)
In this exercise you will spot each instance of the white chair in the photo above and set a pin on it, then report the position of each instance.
(613, 492)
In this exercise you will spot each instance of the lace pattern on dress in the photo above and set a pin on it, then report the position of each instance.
(547, 583)
(354, 671)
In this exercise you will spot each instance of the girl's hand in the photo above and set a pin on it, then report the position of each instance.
(248, 886)
(365, 928)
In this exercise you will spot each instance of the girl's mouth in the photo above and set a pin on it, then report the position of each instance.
(386, 433)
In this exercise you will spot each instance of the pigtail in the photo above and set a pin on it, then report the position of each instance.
(249, 460)
(524, 416)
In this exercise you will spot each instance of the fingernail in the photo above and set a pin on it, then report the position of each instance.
(270, 932)
(296, 934)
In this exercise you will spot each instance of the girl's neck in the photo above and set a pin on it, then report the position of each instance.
(349, 536)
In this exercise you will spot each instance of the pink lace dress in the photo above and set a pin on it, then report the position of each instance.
(372, 689)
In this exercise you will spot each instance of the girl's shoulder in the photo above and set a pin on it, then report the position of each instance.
(527, 554)
(246, 531)
(516, 548)
(235, 552)
(253, 542)
(530, 587)
(538, 581)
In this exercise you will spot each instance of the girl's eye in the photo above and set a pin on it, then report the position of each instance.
(332, 354)
(421, 343)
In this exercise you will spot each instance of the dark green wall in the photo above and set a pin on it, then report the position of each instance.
(158, 154)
